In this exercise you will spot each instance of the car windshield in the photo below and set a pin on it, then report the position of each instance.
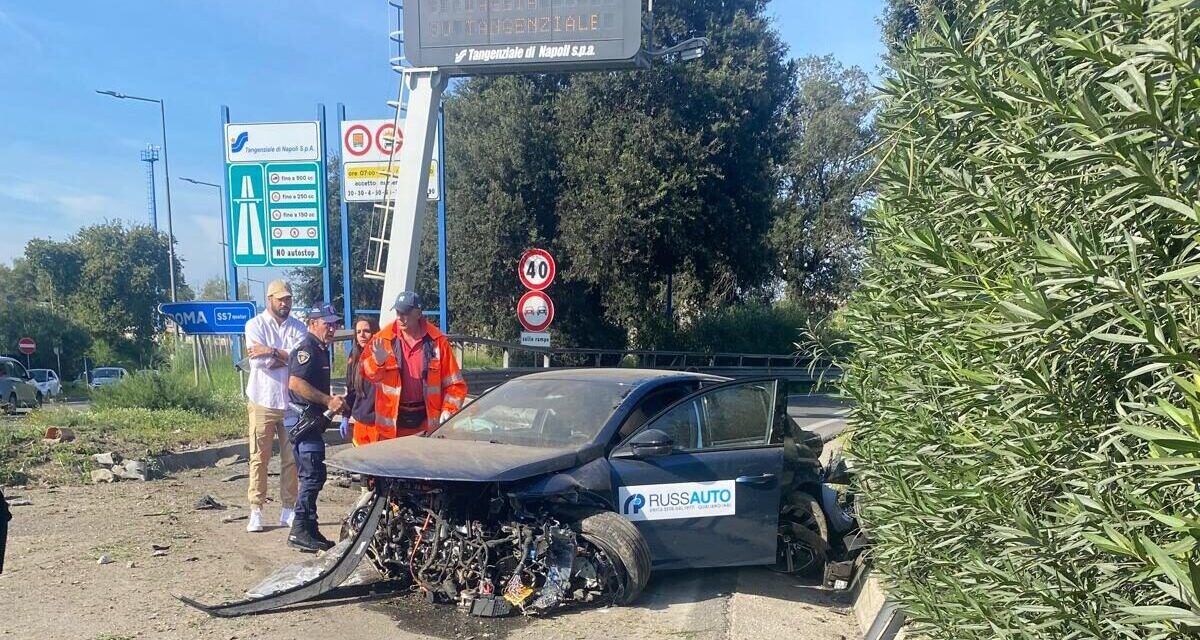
(538, 413)
(38, 374)
(107, 373)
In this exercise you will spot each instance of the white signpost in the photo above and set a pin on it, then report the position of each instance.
(367, 148)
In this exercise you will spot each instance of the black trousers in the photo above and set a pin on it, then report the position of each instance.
(5, 516)
(310, 466)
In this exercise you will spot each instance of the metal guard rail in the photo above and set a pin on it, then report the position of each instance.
(792, 367)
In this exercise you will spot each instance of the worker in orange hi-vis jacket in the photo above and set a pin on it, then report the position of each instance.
(418, 383)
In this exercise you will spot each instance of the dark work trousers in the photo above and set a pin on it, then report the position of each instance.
(5, 516)
(310, 465)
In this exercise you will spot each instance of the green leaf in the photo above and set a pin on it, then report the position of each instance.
(1184, 273)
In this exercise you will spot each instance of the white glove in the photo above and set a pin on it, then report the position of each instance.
(445, 416)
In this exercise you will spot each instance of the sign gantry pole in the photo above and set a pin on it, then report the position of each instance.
(412, 185)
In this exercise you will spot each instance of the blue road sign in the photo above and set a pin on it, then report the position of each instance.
(210, 318)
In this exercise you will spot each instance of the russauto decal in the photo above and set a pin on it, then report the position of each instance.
(678, 500)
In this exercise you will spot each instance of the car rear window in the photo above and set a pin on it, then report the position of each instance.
(39, 374)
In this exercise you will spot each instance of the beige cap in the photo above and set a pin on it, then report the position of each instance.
(279, 289)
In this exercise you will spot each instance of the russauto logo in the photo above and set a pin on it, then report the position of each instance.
(238, 143)
(678, 500)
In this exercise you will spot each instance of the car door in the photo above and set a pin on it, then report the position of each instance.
(27, 387)
(713, 500)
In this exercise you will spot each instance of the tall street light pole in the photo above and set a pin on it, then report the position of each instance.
(224, 240)
(162, 113)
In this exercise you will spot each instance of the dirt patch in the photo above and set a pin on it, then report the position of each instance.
(53, 586)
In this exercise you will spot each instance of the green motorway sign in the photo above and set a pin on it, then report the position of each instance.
(276, 202)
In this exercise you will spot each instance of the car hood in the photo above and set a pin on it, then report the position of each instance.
(458, 460)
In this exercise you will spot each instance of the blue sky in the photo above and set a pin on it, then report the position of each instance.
(70, 157)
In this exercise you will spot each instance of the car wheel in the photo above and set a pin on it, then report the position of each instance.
(803, 545)
(623, 546)
(10, 407)
(40, 400)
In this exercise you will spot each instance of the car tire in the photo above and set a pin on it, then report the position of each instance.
(624, 546)
(38, 403)
(10, 407)
(802, 522)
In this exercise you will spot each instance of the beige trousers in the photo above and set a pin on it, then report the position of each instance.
(265, 425)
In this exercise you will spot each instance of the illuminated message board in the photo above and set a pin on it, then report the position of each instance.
(470, 37)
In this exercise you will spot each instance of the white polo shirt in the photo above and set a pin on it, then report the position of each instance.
(268, 387)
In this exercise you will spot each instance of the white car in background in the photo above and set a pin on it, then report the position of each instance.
(47, 382)
(103, 376)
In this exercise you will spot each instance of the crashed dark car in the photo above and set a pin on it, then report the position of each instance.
(571, 487)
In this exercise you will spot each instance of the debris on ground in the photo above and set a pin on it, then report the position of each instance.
(104, 560)
(234, 517)
(135, 470)
(235, 476)
(102, 475)
(208, 502)
(19, 502)
(158, 554)
(159, 547)
(107, 459)
(229, 461)
(130, 565)
(56, 435)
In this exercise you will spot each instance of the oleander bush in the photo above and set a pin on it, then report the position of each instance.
(1028, 328)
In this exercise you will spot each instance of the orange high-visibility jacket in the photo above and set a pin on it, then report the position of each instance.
(445, 388)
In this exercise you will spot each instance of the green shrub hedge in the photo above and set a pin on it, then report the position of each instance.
(1027, 375)
(157, 391)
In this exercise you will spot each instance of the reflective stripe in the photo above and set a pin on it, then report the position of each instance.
(451, 379)
(384, 421)
(454, 402)
(389, 390)
(431, 392)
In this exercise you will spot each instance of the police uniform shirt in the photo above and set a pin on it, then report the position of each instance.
(309, 362)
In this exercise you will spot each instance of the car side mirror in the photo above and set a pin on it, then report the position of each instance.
(651, 443)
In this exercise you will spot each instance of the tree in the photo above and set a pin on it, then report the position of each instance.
(214, 289)
(818, 236)
(49, 330)
(111, 278)
(902, 19)
(628, 177)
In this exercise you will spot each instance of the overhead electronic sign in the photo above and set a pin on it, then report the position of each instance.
(471, 37)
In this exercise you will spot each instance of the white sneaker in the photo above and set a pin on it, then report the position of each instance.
(255, 523)
(286, 516)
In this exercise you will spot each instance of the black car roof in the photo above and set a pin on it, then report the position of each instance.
(632, 377)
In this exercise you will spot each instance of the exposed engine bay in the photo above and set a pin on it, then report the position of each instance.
(467, 544)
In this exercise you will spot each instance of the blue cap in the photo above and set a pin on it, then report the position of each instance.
(323, 311)
(407, 301)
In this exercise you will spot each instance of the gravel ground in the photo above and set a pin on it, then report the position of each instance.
(53, 586)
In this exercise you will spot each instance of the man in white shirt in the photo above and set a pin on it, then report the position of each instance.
(270, 338)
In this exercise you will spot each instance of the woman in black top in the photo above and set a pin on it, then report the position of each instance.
(360, 392)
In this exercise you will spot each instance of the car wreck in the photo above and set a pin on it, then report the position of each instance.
(570, 487)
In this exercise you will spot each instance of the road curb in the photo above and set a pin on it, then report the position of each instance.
(208, 456)
(878, 616)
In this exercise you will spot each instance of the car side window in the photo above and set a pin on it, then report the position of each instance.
(738, 416)
(17, 370)
(9, 370)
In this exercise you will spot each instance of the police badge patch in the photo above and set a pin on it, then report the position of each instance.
(302, 357)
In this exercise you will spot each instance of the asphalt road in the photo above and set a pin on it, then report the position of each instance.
(823, 414)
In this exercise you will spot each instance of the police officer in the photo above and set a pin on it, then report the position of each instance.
(5, 516)
(308, 390)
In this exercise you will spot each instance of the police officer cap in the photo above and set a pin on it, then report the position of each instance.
(407, 301)
(324, 311)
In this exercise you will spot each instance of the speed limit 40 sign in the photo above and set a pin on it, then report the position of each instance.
(536, 269)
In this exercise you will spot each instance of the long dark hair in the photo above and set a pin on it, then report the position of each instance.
(354, 379)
